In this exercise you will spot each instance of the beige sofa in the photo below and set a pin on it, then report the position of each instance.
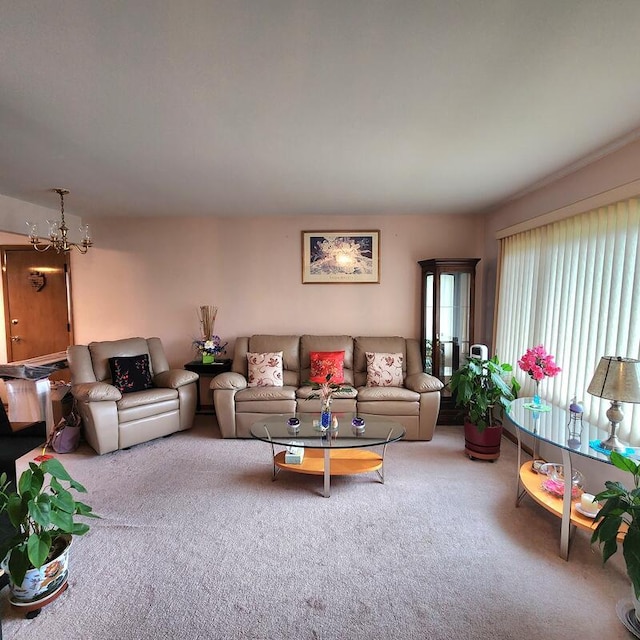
(114, 420)
(415, 405)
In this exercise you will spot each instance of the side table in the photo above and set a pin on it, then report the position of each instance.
(551, 426)
(210, 370)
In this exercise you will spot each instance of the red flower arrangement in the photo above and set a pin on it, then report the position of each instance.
(538, 364)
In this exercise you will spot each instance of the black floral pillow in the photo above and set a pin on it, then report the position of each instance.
(131, 373)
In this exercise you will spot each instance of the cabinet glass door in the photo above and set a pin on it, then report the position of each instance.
(453, 339)
(447, 314)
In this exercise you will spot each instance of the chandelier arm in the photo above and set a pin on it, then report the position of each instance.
(41, 247)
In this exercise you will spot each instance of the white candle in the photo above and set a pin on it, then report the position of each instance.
(587, 504)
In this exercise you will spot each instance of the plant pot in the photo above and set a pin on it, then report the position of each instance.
(42, 583)
(482, 445)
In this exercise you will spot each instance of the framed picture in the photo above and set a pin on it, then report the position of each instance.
(340, 257)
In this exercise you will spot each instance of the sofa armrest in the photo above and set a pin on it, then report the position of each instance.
(422, 383)
(95, 392)
(228, 380)
(175, 378)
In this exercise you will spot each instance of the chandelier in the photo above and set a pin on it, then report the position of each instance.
(58, 230)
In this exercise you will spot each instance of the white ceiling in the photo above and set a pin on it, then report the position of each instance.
(296, 107)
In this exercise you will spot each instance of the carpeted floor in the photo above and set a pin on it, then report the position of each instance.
(195, 541)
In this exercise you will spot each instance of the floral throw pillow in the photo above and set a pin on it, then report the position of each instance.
(384, 369)
(131, 373)
(265, 369)
(324, 363)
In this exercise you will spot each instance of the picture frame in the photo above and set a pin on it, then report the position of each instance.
(340, 257)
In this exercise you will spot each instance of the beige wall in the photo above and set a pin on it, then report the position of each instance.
(147, 277)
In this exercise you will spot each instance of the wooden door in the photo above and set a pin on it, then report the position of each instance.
(37, 302)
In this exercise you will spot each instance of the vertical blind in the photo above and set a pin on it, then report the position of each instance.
(574, 287)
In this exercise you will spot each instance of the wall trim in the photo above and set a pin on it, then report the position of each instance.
(604, 198)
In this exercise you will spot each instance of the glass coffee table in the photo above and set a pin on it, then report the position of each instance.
(341, 452)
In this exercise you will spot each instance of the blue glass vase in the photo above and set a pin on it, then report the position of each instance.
(325, 414)
(536, 396)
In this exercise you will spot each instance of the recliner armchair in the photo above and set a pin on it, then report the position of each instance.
(115, 420)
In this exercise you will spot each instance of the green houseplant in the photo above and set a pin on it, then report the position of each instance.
(483, 388)
(622, 505)
(42, 511)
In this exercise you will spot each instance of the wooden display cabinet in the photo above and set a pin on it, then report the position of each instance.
(447, 321)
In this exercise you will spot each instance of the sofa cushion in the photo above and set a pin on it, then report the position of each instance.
(327, 363)
(386, 394)
(265, 394)
(384, 369)
(290, 347)
(102, 351)
(151, 397)
(310, 344)
(374, 344)
(264, 369)
(303, 393)
(131, 373)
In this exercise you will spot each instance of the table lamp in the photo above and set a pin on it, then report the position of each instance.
(616, 379)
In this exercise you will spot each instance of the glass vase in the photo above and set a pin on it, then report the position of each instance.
(325, 413)
(207, 359)
(537, 401)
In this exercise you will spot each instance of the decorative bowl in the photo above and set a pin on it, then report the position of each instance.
(554, 481)
(358, 426)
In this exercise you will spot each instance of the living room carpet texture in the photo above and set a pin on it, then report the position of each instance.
(196, 541)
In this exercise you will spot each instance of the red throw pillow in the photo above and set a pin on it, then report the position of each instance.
(324, 363)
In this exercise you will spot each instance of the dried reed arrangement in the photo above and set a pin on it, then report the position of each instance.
(207, 316)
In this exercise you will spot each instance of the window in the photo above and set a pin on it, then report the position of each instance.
(574, 287)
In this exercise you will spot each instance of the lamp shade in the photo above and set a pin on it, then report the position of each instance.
(616, 378)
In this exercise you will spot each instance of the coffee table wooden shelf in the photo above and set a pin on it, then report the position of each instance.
(347, 451)
(344, 462)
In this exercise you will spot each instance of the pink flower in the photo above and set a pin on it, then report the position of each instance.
(538, 363)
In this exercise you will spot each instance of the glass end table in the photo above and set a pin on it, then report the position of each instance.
(553, 426)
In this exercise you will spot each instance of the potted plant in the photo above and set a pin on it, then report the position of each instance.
(481, 388)
(622, 506)
(42, 510)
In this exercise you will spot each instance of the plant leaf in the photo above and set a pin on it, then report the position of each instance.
(54, 468)
(77, 486)
(24, 483)
(17, 508)
(79, 528)
(624, 463)
(62, 520)
(38, 546)
(64, 501)
(607, 529)
(18, 564)
(85, 510)
(631, 552)
(40, 509)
